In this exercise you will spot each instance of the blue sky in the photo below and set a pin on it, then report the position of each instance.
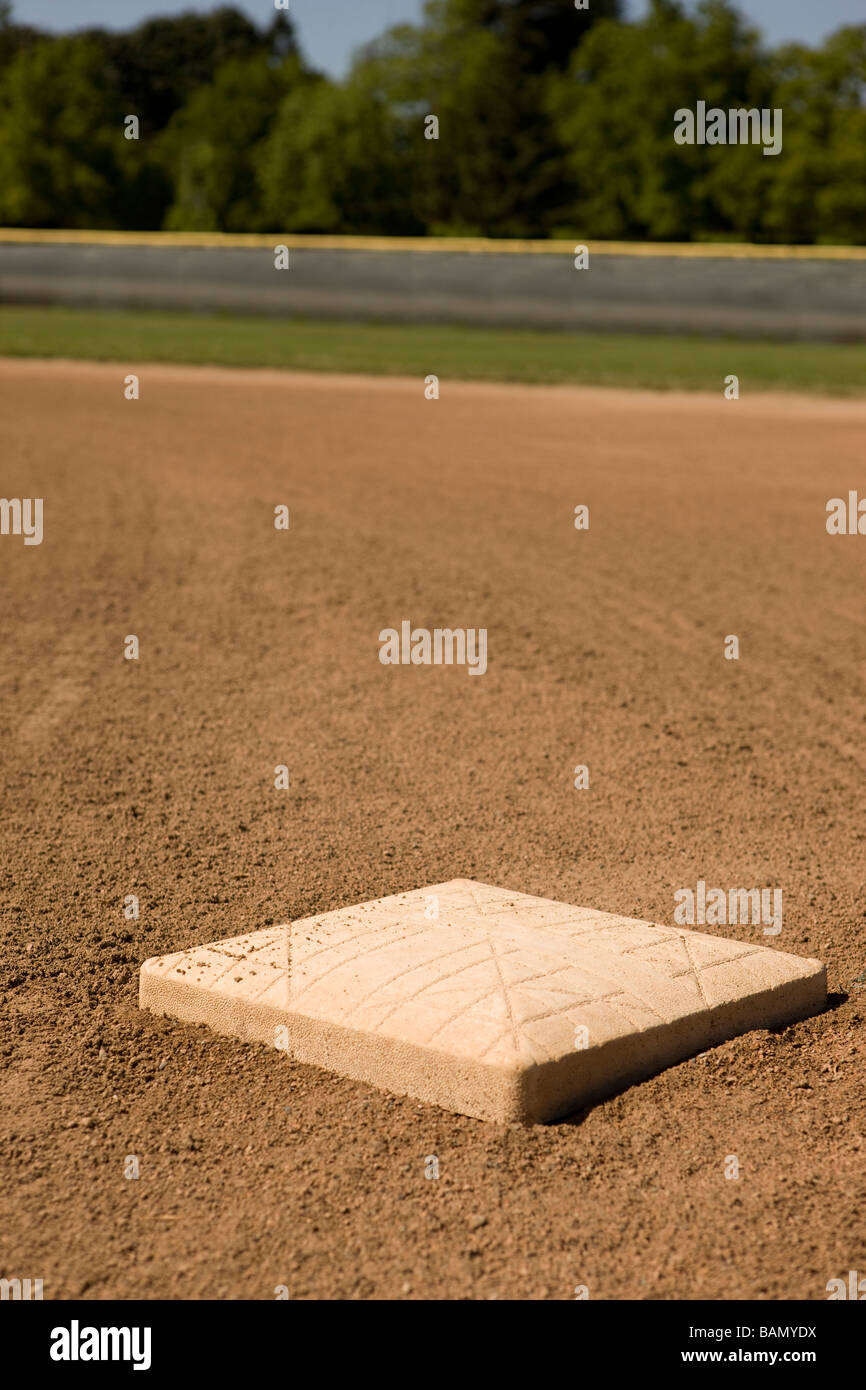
(331, 29)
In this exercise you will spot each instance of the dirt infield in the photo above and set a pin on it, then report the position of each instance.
(259, 648)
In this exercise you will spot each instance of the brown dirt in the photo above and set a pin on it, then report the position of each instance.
(259, 648)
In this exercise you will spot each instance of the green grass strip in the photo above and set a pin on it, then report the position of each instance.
(598, 359)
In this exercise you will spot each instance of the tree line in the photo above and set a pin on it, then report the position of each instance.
(552, 121)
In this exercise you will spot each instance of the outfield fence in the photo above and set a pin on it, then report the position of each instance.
(805, 293)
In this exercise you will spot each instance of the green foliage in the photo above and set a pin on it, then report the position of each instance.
(552, 120)
(478, 66)
(13, 37)
(482, 173)
(210, 147)
(336, 160)
(160, 64)
(64, 160)
(614, 112)
(540, 35)
(819, 192)
(61, 138)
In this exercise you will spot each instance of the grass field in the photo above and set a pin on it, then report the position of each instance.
(414, 349)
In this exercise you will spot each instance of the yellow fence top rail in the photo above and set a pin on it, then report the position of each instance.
(476, 245)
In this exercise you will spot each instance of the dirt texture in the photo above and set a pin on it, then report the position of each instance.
(259, 648)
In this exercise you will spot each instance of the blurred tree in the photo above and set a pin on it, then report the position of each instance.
(540, 34)
(819, 189)
(209, 149)
(550, 120)
(488, 170)
(478, 66)
(63, 157)
(13, 37)
(161, 63)
(730, 189)
(336, 160)
(614, 113)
